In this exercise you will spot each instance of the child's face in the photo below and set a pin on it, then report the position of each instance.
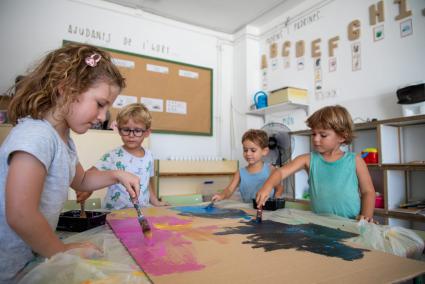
(252, 152)
(90, 107)
(325, 140)
(132, 134)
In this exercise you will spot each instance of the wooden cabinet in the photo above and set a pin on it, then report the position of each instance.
(178, 177)
(399, 175)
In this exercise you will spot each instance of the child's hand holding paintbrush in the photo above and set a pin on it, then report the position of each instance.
(144, 224)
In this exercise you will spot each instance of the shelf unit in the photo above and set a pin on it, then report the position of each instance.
(177, 177)
(399, 174)
(278, 108)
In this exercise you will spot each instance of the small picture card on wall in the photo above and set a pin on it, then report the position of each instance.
(318, 88)
(318, 91)
(356, 56)
(378, 32)
(317, 75)
(406, 28)
(317, 63)
(300, 63)
(274, 63)
(264, 79)
(286, 63)
(332, 64)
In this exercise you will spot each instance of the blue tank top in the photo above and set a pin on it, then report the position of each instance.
(334, 186)
(252, 182)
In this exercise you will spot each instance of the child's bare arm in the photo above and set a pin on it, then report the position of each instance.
(300, 162)
(278, 189)
(94, 179)
(229, 190)
(23, 193)
(367, 190)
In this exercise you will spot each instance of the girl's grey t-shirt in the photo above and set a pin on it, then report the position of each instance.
(40, 139)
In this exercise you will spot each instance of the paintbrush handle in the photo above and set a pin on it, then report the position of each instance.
(83, 211)
(259, 214)
(137, 207)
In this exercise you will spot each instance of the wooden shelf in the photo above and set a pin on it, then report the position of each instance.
(404, 167)
(380, 211)
(407, 213)
(401, 167)
(164, 174)
(278, 108)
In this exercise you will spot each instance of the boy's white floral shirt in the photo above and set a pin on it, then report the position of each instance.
(117, 196)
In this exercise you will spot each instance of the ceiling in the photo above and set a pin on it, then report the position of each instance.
(227, 16)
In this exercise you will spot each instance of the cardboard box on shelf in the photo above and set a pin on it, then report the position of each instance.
(288, 94)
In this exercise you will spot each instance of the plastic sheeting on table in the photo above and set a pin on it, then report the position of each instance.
(115, 265)
(395, 240)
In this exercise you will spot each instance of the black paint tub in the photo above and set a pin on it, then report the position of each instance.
(272, 204)
(72, 222)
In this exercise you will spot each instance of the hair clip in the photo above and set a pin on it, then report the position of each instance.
(93, 59)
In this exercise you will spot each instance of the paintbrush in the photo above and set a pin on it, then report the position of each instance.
(146, 229)
(259, 214)
(82, 210)
(210, 206)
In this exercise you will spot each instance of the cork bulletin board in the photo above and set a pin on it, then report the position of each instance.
(178, 94)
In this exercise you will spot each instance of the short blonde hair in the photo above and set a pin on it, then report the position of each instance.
(336, 118)
(257, 136)
(138, 112)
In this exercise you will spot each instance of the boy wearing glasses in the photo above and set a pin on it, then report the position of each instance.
(133, 123)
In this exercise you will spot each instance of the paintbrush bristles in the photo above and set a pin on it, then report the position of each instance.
(144, 224)
(146, 229)
(210, 206)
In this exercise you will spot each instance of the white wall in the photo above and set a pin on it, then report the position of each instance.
(385, 65)
(29, 29)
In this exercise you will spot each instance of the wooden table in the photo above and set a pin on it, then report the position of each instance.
(187, 248)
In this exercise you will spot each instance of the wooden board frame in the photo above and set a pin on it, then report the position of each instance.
(169, 85)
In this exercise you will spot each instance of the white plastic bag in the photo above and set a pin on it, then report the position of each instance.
(394, 240)
(70, 268)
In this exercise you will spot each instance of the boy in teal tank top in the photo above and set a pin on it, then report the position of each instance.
(339, 181)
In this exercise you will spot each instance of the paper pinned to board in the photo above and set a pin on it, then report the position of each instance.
(177, 107)
(124, 63)
(157, 68)
(188, 74)
(122, 100)
(153, 104)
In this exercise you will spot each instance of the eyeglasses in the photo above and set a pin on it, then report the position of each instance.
(138, 132)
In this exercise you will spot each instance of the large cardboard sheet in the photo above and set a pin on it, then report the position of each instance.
(192, 244)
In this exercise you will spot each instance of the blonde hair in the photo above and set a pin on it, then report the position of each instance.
(63, 71)
(257, 136)
(138, 112)
(336, 118)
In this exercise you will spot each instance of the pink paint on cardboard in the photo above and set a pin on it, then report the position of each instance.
(166, 252)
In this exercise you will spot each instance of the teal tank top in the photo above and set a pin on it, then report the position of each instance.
(251, 183)
(334, 186)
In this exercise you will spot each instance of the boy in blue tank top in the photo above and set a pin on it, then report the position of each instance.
(251, 178)
(339, 181)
